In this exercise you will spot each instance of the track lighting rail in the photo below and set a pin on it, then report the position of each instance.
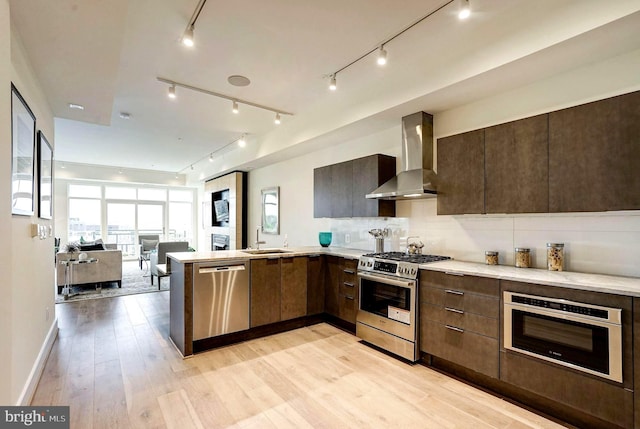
(224, 96)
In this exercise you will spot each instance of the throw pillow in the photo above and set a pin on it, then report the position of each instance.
(148, 245)
(91, 246)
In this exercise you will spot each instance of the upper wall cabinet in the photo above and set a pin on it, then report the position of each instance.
(517, 167)
(594, 156)
(339, 189)
(584, 158)
(461, 173)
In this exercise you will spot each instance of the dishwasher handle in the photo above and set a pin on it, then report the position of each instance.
(224, 268)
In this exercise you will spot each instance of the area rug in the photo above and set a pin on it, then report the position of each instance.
(134, 280)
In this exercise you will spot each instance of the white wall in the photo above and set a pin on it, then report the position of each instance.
(6, 224)
(607, 243)
(27, 308)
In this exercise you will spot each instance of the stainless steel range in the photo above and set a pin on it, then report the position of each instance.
(388, 316)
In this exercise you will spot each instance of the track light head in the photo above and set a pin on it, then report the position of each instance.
(187, 37)
(242, 142)
(191, 167)
(211, 158)
(465, 9)
(382, 56)
(172, 91)
(277, 120)
(235, 108)
(332, 84)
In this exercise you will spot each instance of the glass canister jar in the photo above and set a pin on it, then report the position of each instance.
(555, 256)
(523, 257)
(491, 257)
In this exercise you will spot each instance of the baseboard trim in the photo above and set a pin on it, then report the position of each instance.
(38, 367)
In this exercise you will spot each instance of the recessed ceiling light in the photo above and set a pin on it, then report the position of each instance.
(76, 106)
(237, 80)
(125, 115)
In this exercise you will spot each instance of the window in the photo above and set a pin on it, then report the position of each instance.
(85, 222)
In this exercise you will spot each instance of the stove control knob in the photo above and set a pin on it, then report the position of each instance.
(369, 264)
(413, 270)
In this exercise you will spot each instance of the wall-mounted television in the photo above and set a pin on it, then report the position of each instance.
(220, 208)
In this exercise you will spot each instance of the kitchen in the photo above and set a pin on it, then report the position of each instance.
(602, 242)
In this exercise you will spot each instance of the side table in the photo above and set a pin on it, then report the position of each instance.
(68, 273)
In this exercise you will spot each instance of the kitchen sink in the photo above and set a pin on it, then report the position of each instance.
(265, 251)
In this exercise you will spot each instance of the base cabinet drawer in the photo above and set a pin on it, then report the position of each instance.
(471, 322)
(476, 352)
(606, 400)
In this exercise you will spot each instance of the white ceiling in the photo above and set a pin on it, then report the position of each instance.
(106, 55)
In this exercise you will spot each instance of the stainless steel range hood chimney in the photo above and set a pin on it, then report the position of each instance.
(417, 178)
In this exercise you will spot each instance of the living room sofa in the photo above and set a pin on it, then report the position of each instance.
(107, 269)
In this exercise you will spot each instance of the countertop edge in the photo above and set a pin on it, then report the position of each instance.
(628, 286)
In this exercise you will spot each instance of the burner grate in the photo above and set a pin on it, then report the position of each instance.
(405, 257)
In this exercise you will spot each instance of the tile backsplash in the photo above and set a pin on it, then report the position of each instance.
(602, 243)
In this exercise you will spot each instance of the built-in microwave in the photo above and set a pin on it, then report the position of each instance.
(577, 335)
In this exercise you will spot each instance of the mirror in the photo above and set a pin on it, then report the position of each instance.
(271, 210)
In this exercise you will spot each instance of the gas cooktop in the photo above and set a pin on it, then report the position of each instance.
(406, 257)
(397, 264)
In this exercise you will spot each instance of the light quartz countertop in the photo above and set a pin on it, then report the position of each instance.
(223, 255)
(629, 286)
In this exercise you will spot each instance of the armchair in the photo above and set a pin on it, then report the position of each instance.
(159, 257)
(147, 243)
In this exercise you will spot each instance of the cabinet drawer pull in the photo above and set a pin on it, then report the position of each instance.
(349, 271)
(454, 274)
(454, 292)
(453, 328)
(349, 297)
(348, 284)
(454, 310)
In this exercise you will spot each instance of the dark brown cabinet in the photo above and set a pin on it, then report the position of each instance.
(293, 287)
(580, 159)
(348, 291)
(594, 154)
(265, 291)
(316, 268)
(517, 166)
(322, 192)
(459, 320)
(367, 174)
(340, 189)
(461, 173)
(341, 288)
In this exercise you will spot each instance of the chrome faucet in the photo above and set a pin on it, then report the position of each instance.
(258, 242)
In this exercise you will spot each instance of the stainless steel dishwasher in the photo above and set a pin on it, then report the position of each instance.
(220, 298)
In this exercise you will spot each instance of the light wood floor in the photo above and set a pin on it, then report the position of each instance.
(112, 363)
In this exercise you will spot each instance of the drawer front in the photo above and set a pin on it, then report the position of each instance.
(463, 283)
(348, 288)
(473, 351)
(483, 305)
(476, 323)
(348, 307)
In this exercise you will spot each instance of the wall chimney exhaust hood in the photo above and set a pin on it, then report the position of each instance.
(417, 178)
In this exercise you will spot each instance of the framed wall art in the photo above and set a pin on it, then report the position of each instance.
(271, 210)
(45, 177)
(23, 138)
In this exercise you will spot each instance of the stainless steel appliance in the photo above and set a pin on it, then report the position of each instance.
(388, 316)
(220, 298)
(581, 336)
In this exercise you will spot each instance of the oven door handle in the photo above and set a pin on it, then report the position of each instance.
(388, 280)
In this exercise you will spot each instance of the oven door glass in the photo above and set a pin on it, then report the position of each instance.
(580, 344)
(377, 297)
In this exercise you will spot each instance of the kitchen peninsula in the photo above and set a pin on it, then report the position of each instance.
(462, 322)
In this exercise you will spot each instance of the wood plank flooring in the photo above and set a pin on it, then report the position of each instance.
(113, 364)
